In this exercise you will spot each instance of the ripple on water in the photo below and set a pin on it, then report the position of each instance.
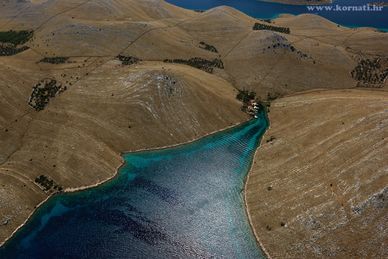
(181, 202)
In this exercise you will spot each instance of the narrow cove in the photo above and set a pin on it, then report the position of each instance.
(185, 201)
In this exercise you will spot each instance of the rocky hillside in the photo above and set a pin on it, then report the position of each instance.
(83, 80)
(318, 187)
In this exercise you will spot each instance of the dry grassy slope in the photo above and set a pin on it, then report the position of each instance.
(353, 40)
(96, 28)
(328, 171)
(78, 138)
(154, 30)
(44, 12)
(83, 130)
(332, 53)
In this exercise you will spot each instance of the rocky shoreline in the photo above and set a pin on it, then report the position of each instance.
(81, 188)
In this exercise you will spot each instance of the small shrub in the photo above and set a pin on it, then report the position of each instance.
(259, 26)
(15, 37)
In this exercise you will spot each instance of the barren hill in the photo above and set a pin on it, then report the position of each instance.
(315, 54)
(318, 187)
(83, 81)
(77, 139)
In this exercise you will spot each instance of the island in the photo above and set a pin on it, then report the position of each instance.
(84, 82)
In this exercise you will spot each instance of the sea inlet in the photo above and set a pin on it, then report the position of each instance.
(181, 202)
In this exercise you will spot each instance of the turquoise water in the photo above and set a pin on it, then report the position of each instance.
(183, 202)
(267, 10)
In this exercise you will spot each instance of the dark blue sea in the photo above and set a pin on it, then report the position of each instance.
(267, 10)
(183, 202)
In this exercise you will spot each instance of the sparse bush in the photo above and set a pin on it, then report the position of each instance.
(208, 47)
(45, 182)
(200, 63)
(54, 60)
(43, 91)
(371, 72)
(10, 50)
(9, 41)
(245, 96)
(15, 37)
(272, 138)
(259, 26)
(128, 60)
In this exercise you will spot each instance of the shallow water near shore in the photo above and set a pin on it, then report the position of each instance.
(182, 202)
(268, 10)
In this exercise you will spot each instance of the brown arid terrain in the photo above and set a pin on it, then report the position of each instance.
(318, 186)
(77, 139)
(98, 78)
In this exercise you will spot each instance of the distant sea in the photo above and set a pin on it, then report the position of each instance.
(267, 10)
(182, 202)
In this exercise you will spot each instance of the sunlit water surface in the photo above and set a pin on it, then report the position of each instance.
(184, 202)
